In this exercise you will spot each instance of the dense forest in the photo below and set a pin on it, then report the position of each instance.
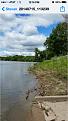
(56, 45)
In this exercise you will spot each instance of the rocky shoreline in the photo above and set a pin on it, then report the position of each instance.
(49, 82)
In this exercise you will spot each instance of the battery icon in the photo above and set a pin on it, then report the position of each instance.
(64, 1)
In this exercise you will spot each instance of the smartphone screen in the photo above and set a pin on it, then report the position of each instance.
(33, 60)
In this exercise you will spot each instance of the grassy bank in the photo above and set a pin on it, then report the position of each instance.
(52, 76)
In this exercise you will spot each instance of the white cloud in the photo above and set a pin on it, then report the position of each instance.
(20, 34)
(30, 30)
(9, 53)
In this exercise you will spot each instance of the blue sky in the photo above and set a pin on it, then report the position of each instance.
(46, 30)
(20, 34)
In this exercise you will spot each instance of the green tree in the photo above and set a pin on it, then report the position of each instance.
(56, 43)
(37, 54)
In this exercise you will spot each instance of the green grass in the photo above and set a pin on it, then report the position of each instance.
(56, 64)
(52, 75)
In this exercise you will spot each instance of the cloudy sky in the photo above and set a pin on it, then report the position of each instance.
(20, 34)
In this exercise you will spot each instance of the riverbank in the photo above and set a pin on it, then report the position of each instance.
(52, 76)
(46, 108)
(54, 108)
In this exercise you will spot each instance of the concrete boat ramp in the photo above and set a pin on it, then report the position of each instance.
(50, 108)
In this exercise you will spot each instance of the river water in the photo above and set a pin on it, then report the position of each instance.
(15, 81)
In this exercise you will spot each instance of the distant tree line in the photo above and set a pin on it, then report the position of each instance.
(56, 44)
(18, 58)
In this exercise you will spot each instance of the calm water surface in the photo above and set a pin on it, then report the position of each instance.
(15, 81)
